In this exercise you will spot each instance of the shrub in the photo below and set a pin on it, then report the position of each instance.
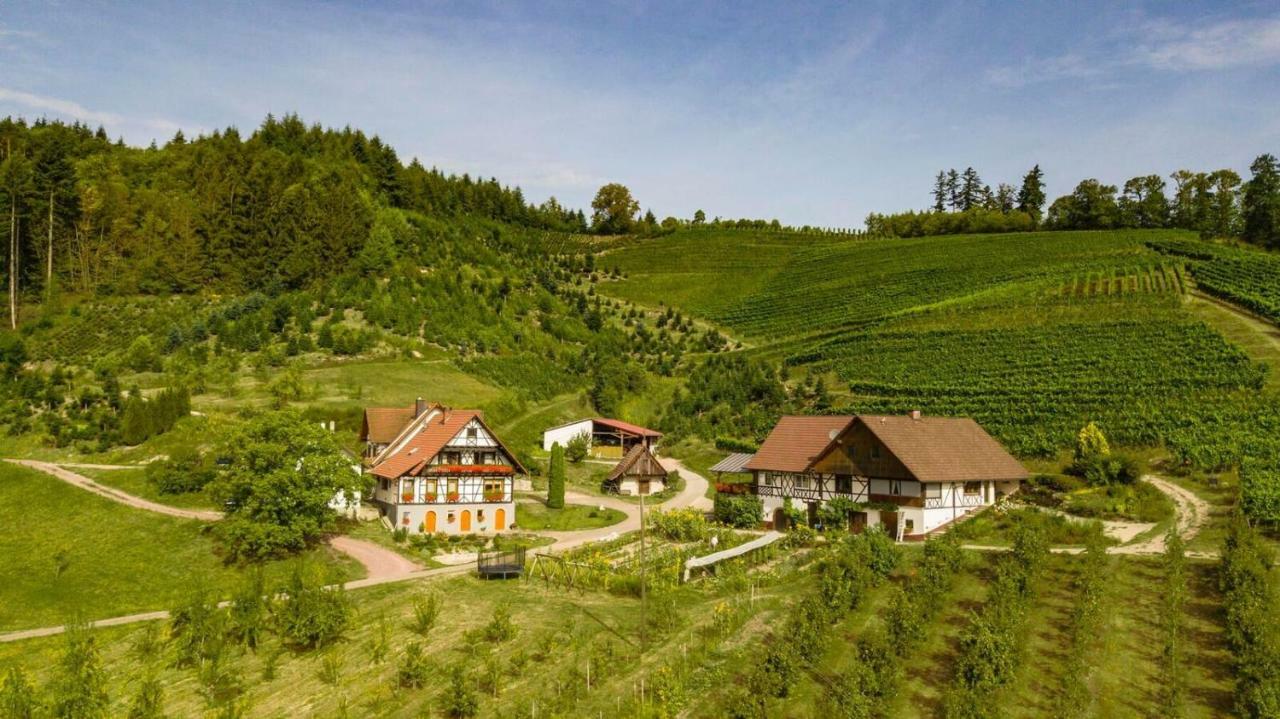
(310, 614)
(741, 510)
(17, 696)
(1102, 470)
(1091, 443)
(500, 627)
(185, 470)
(460, 700)
(680, 525)
(148, 703)
(426, 609)
(78, 687)
(248, 612)
(196, 628)
(414, 668)
(576, 449)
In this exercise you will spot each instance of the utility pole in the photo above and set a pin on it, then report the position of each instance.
(644, 600)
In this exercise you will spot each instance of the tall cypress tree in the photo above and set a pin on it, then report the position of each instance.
(555, 478)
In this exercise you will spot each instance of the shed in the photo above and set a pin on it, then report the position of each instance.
(638, 473)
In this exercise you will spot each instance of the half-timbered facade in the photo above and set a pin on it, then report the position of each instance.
(911, 474)
(443, 471)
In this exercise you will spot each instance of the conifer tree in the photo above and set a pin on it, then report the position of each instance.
(970, 189)
(555, 478)
(953, 189)
(940, 195)
(1031, 195)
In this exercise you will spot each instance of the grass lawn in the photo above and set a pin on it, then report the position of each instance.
(65, 551)
(540, 670)
(535, 517)
(134, 481)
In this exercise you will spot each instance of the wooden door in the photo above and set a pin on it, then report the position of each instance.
(430, 523)
(780, 519)
(466, 520)
(644, 487)
(857, 522)
(500, 520)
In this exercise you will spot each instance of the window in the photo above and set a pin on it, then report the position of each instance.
(851, 452)
(910, 526)
(452, 484)
(875, 451)
(802, 482)
(472, 432)
(895, 487)
(844, 485)
(450, 517)
(972, 488)
(495, 486)
(430, 486)
(933, 490)
(479, 515)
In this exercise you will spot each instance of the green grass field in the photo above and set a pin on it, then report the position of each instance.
(134, 481)
(65, 552)
(536, 517)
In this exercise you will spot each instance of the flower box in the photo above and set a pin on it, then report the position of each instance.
(431, 497)
(494, 496)
(406, 497)
(454, 496)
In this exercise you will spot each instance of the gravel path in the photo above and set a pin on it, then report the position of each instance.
(116, 495)
(1190, 512)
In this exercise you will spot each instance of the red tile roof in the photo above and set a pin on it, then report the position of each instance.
(427, 435)
(796, 441)
(627, 427)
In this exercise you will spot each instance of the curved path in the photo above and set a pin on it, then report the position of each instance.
(382, 566)
(1190, 514)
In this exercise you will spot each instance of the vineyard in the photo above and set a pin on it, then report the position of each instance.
(1247, 277)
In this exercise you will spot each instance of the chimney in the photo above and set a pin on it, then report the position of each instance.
(915, 414)
(419, 406)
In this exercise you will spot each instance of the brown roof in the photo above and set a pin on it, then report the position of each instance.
(796, 441)
(383, 424)
(438, 426)
(944, 449)
(639, 462)
(627, 427)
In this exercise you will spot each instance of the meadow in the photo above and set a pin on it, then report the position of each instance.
(67, 554)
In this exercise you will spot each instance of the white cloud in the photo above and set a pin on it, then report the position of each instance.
(76, 111)
(1233, 43)
(1071, 66)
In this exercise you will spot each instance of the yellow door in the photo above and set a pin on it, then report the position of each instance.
(466, 520)
(431, 522)
(500, 520)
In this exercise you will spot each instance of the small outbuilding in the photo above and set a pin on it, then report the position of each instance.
(639, 473)
(606, 438)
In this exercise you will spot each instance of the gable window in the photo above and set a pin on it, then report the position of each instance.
(972, 488)
(851, 452)
(472, 432)
(875, 451)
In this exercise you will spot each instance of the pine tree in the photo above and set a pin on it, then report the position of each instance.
(555, 478)
(970, 189)
(1031, 195)
(953, 189)
(17, 696)
(940, 195)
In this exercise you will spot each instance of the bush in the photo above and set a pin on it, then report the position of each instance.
(78, 687)
(500, 627)
(197, 628)
(185, 470)
(460, 700)
(17, 696)
(576, 450)
(148, 703)
(740, 510)
(680, 525)
(414, 668)
(1103, 470)
(310, 614)
(426, 609)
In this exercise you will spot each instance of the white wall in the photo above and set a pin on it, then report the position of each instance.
(417, 514)
(563, 434)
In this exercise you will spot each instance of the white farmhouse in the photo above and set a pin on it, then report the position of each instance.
(911, 474)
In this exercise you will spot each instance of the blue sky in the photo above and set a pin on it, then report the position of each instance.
(810, 113)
